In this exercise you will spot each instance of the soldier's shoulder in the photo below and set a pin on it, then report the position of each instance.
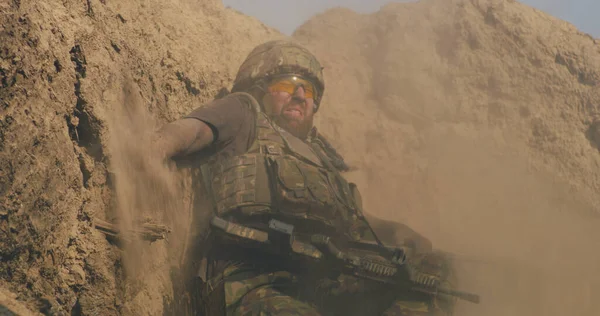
(247, 100)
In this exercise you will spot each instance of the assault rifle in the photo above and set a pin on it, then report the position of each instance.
(392, 266)
(374, 262)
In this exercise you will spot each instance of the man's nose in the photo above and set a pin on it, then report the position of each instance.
(300, 93)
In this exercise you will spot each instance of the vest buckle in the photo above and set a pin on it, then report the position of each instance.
(273, 150)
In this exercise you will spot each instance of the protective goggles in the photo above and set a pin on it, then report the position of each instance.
(291, 83)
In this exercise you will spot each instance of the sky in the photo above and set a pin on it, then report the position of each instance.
(584, 14)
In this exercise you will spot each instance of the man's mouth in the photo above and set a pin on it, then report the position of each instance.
(292, 113)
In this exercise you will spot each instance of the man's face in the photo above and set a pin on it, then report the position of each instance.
(293, 112)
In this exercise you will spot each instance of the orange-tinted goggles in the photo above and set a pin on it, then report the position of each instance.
(290, 84)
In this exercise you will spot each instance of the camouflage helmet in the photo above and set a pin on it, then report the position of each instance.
(279, 57)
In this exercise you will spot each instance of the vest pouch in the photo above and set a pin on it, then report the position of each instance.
(240, 183)
(300, 187)
(319, 186)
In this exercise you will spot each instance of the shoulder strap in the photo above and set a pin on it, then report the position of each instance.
(336, 159)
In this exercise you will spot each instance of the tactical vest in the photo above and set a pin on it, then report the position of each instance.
(285, 178)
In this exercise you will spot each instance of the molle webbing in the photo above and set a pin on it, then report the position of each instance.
(240, 181)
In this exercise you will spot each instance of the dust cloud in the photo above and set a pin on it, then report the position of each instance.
(462, 120)
(521, 238)
(146, 191)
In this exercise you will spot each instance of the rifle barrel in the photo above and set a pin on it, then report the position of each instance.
(474, 298)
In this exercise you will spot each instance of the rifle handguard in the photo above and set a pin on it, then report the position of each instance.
(377, 268)
(391, 273)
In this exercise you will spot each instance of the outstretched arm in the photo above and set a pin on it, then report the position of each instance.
(217, 124)
(182, 137)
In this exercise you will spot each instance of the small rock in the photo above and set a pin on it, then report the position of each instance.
(77, 274)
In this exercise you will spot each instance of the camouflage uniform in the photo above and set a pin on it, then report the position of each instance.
(298, 183)
(249, 292)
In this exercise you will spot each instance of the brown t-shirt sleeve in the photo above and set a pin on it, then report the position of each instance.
(232, 122)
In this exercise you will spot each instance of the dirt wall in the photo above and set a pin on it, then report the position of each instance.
(75, 78)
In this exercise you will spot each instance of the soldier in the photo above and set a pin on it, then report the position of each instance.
(269, 170)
